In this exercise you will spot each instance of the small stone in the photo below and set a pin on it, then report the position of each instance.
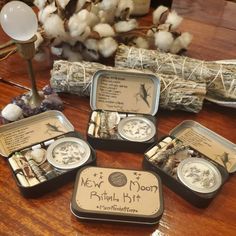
(12, 112)
(38, 155)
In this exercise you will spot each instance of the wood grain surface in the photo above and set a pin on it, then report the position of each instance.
(214, 28)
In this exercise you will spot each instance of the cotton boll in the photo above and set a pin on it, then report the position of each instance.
(107, 5)
(38, 41)
(88, 17)
(91, 44)
(90, 53)
(124, 26)
(83, 15)
(80, 37)
(104, 30)
(40, 3)
(174, 20)
(70, 55)
(163, 40)
(63, 3)
(85, 34)
(181, 42)
(107, 46)
(92, 19)
(141, 42)
(46, 12)
(54, 26)
(123, 5)
(157, 14)
(76, 27)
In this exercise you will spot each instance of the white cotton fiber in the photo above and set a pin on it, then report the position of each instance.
(141, 42)
(46, 12)
(124, 26)
(104, 30)
(108, 4)
(157, 14)
(181, 42)
(40, 3)
(123, 5)
(54, 26)
(174, 20)
(163, 40)
(107, 46)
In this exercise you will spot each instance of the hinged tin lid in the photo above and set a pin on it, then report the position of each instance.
(32, 130)
(125, 91)
(117, 195)
(207, 142)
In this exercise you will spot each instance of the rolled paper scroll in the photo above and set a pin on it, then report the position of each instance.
(25, 167)
(176, 93)
(18, 172)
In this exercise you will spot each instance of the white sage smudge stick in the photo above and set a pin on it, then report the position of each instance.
(219, 77)
(176, 93)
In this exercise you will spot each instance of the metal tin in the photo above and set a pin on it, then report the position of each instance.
(199, 175)
(32, 130)
(117, 195)
(24, 137)
(68, 153)
(216, 153)
(207, 142)
(127, 93)
(111, 89)
(136, 128)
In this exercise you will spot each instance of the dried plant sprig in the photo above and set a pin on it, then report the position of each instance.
(84, 29)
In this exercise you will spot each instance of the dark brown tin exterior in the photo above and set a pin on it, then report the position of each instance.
(54, 183)
(121, 144)
(200, 200)
(86, 214)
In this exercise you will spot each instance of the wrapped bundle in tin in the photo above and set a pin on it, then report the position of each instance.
(176, 93)
(219, 77)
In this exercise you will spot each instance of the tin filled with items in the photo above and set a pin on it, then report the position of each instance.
(117, 195)
(44, 152)
(193, 161)
(124, 105)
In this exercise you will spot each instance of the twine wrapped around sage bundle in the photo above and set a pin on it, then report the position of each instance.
(176, 93)
(219, 77)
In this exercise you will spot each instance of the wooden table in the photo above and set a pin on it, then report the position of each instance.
(214, 28)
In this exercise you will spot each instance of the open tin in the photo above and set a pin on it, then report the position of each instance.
(124, 105)
(117, 195)
(193, 161)
(33, 145)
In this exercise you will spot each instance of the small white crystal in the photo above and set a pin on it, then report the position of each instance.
(11, 112)
(38, 155)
